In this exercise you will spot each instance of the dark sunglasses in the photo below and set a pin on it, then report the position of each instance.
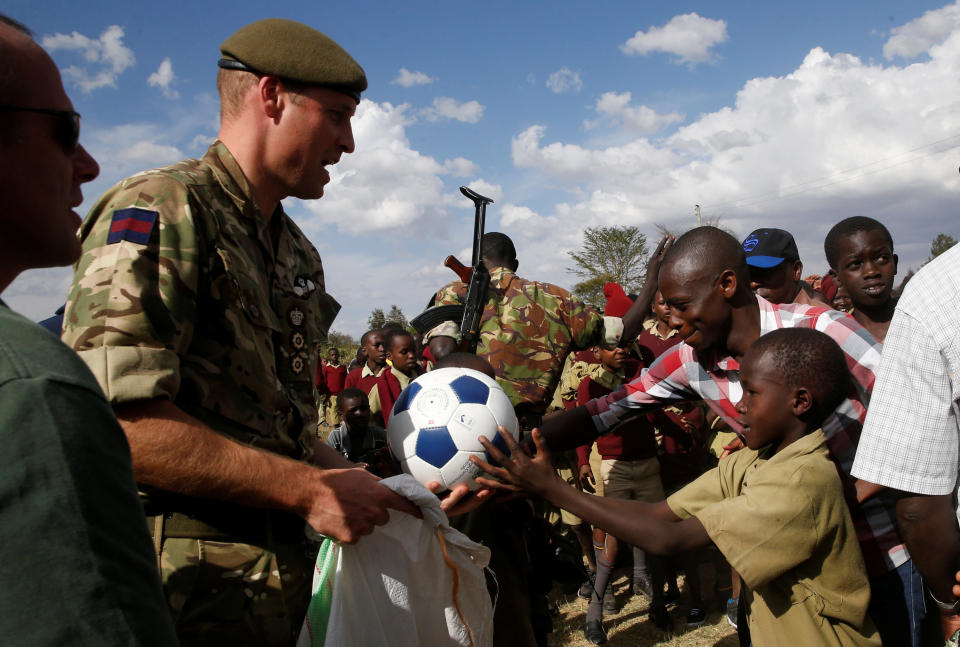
(68, 128)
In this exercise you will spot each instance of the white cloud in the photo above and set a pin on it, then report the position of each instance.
(484, 188)
(564, 80)
(526, 224)
(920, 34)
(460, 167)
(835, 137)
(641, 119)
(688, 36)
(446, 108)
(107, 57)
(202, 141)
(386, 184)
(164, 78)
(577, 166)
(407, 79)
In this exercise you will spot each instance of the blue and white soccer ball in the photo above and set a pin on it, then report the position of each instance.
(436, 420)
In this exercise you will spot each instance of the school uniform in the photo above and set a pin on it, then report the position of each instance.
(385, 391)
(362, 378)
(782, 523)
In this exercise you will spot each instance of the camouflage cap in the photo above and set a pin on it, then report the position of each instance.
(293, 51)
(612, 331)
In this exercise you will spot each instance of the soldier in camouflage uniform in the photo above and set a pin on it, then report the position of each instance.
(526, 332)
(197, 304)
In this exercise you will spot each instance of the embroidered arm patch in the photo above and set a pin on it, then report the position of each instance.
(132, 224)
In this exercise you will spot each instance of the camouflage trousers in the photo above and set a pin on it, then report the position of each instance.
(236, 594)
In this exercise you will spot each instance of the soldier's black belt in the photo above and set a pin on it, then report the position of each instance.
(229, 523)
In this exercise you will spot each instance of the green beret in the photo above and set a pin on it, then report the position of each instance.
(293, 51)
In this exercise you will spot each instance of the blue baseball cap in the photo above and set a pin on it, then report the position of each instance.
(767, 248)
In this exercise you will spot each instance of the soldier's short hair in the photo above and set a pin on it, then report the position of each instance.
(231, 86)
(461, 359)
(498, 247)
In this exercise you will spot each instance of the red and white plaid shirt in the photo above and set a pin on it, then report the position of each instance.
(680, 374)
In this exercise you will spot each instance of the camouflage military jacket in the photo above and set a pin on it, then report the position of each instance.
(526, 331)
(185, 292)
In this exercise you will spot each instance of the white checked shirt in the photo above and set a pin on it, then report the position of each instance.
(911, 438)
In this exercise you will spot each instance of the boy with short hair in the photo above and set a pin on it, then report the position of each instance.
(404, 366)
(365, 376)
(775, 509)
(356, 439)
(860, 251)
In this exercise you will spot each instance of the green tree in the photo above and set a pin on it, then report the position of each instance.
(376, 319)
(343, 342)
(396, 314)
(609, 254)
(591, 291)
(340, 340)
(940, 244)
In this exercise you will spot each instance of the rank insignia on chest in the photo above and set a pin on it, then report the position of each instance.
(296, 317)
(303, 286)
(296, 365)
(133, 224)
(297, 340)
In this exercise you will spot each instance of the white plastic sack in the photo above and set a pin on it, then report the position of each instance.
(395, 587)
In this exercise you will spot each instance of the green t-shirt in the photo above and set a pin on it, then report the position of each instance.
(79, 566)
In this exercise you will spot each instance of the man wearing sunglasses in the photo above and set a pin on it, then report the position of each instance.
(80, 567)
(197, 303)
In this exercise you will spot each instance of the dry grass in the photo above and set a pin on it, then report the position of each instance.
(631, 625)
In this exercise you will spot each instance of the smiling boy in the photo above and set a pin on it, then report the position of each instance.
(775, 509)
(860, 251)
(705, 281)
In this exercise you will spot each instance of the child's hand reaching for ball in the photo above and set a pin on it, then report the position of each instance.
(519, 471)
(459, 499)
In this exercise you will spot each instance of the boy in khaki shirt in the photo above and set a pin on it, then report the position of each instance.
(774, 509)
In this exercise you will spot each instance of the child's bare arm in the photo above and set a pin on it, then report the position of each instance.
(651, 526)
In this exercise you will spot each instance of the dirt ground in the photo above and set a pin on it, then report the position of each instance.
(631, 625)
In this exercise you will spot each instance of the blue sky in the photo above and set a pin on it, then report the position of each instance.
(568, 114)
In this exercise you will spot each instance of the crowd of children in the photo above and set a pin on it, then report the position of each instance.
(775, 508)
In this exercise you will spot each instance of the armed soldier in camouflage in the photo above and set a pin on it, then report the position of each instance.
(526, 332)
(197, 304)
(528, 328)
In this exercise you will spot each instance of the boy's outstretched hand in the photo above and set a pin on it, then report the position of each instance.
(460, 500)
(520, 471)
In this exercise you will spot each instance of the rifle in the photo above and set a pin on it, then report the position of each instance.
(477, 279)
